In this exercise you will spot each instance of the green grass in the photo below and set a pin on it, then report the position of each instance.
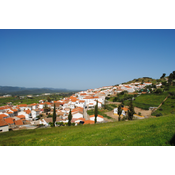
(172, 89)
(100, 112)
(109, 107)
(152, 131)
(144, 101)
(168, 107)
(111, 99)
(145, 79)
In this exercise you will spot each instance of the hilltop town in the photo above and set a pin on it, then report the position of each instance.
(23, 116)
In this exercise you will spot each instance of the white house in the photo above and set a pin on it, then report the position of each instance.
(77, 115)
(26, 113)
(35, 113)
(116, 112)
(80, 103)
(99, 118)
(22, 107)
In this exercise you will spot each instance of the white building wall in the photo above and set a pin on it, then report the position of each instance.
(77, 115)
(4, 128)
(99, 119)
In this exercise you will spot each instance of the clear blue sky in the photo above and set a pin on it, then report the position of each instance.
(82, 59)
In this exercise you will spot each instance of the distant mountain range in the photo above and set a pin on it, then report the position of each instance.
(26, 91)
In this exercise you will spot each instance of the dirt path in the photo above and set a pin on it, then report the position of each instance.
(137, 110)
(111, 114)
(143, 112)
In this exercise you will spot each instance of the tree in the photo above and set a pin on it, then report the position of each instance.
(119, 111)
(131, 111)
(162, 76)
(171, 77)
(48, 99)
(69, 118)
(54, 116)
(158, 91)
(96, 112)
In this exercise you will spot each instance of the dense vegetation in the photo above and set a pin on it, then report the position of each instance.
(17, 100)
(144, 101)
(152, 131)
(144, 79)
(168, 107)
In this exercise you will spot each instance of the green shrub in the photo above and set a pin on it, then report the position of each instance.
(159, 114)
(60, 123)
(40, 125)
(51, 124)
(124, 118)
(49, 116)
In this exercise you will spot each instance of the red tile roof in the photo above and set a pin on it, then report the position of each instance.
(14, 110)
(10, 120)
(79, 109)
(22, 105)
(18, 122)
(27, 111)
(2, 116)
(88, 122)
(91, 103)
(9, 112)
(97, 116)
(83, 94)
(34, 104)
(3, 122)
(47, 103)
(125, 109)
(21, 116)
(4, 107)
(88, 97)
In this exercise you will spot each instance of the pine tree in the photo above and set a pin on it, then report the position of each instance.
(119, 111)
(162, 76)
(131, 111)
(69, 118)
(96, 112)
(48, 99)
(54, 116)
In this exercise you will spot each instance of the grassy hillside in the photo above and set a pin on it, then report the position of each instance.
(144, 101)
(145, 79)
(152, 131)
(168, 107)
